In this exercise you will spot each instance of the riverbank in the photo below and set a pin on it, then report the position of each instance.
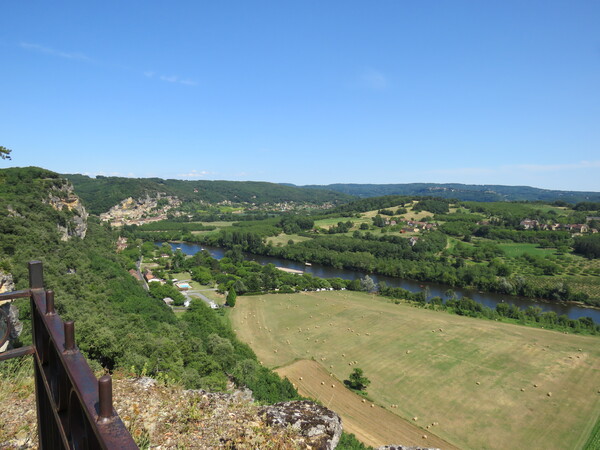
(571, 309)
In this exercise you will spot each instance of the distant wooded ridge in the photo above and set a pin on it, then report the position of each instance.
(465, 192)
(101, 193)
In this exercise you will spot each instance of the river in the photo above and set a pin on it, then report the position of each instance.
(573, 311)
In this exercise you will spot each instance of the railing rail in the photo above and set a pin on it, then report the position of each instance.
(74, 408)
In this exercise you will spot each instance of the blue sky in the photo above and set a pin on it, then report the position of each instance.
(306, 92)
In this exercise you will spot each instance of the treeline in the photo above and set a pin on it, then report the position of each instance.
(464, 306)
(170, 225)
(393, 256)
(588, 246)
(249, 277)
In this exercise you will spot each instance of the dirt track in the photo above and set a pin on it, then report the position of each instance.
(360, 418)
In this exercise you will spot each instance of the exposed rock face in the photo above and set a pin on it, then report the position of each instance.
(65, 198)
(7, 285)
(6, 282)
(142, 211)
(320, 426)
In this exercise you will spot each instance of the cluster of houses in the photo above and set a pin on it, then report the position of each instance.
(532, 224)
(140, 211)
(413, 226)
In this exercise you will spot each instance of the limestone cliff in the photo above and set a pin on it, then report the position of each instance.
(64, 199)
(142, 210)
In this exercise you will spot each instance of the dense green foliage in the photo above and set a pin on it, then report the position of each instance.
(349, 442)
(588, 246)
(101, 193)
(118, 324)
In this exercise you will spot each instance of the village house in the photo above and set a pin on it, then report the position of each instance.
(529, 224)
(135, 274)
(578, 228)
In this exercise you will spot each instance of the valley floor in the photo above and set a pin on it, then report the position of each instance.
(485, 384)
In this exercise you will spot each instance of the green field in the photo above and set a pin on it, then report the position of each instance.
(332, 221)
(487, 384)
(282, 239)
(514, 250)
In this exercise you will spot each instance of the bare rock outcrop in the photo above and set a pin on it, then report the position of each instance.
(11, 311)
(64, 197)
(321, 427)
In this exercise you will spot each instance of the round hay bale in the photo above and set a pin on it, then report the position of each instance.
(522, 390)
(477, 383)
(333, 385)
(415, 419)
(407, 352)
(424, 436)
(322, 382)
(363, 400)
(300, 378)
(549, 394)
(372, 405)
(535, 385)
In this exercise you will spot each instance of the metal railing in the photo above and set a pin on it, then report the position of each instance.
(74, 408)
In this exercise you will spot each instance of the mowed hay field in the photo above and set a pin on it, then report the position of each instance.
(485, 384)
(370, 423)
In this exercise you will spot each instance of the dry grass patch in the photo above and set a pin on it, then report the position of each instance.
(434, 375)
(359, 417)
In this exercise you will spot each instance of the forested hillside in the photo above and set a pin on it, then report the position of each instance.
(471, 192)
(101, 193)
(118, 324)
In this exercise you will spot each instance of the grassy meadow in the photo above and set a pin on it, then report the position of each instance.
(485, 384)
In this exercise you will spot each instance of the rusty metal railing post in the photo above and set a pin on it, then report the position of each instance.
(74, 409)
(105, 396)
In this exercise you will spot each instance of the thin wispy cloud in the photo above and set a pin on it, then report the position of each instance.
(170, 78)
(77, 56)
(194, 174)
(54, 52)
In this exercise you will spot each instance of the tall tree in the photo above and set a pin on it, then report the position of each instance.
(231, 296)
(357, 380)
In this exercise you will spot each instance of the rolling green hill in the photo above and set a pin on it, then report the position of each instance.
(470, 192)
(101, 193)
